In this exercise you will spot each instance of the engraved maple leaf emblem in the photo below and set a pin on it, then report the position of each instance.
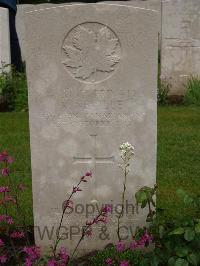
(91, 52)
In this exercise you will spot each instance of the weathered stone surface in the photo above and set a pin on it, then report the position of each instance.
(20, 28)
(20, 23)
(180, 42)
(4, 37)
(92, 71)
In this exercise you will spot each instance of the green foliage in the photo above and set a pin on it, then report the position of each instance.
(134, 257)
(163, 90)
(14, 138)
(13, 89)
(145, 197)
(178, 242)
(192, 96)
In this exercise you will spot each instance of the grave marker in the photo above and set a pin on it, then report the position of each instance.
(92, 72)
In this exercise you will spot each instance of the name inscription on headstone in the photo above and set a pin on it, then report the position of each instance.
(109, 107)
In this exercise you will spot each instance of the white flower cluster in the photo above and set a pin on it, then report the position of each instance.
(127, 151)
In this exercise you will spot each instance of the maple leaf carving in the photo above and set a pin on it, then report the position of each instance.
(91, 52)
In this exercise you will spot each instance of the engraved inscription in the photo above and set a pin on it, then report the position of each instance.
(106, 109)
(94, 159)
(92, 52)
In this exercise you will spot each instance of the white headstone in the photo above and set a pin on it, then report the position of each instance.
(4, 37)
(180, 42)
(21, 8)
(92, 72)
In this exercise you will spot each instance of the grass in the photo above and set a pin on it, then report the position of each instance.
(14, 138)
(177, 161)
(178, 156)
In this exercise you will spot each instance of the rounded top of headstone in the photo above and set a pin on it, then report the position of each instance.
(92, 52)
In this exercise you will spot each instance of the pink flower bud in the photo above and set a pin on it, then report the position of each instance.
(52, 262)
(109, 261)
(120, 246)
(64, 256)
(3, 258)
(106, 209)
(89, 232)
(124, 263)
(67, 204)
(3, 156)
(10, 160)
(76, 189)
(5, 172)
(17, 235)
(88, 173)
(4, 189)
(133, 245)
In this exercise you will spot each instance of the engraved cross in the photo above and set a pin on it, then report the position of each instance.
(94, 159)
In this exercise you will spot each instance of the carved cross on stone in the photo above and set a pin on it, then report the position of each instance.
(94, 159)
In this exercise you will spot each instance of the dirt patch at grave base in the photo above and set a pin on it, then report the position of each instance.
(175, 99)
(3, 104)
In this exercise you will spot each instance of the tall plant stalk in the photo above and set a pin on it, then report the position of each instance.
(127, 151)
(68, 204)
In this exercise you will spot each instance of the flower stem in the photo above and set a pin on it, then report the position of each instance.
(122, 203)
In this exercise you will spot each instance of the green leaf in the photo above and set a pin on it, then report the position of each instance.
(181, 252)
(181, 262)
(197, 228)
(140, 196)
(177, 231)
(171, 261)
(193, 259)
(189, 234)
(155, 261)
(143, 205)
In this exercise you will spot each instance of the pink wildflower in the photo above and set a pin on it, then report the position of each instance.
(28, 262)
(6, 218)
(4, 189)
(10, 220)
(109, 261)
(146, 239)
(5, 172)
(107, 209)
(1, 243)
(3, 156)
(133, 245)
(9, 199)
(32, 252)
(52, 262)
(17, 235)
(3, 258)
(120, 246)
(124, 263)
(64, 255)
